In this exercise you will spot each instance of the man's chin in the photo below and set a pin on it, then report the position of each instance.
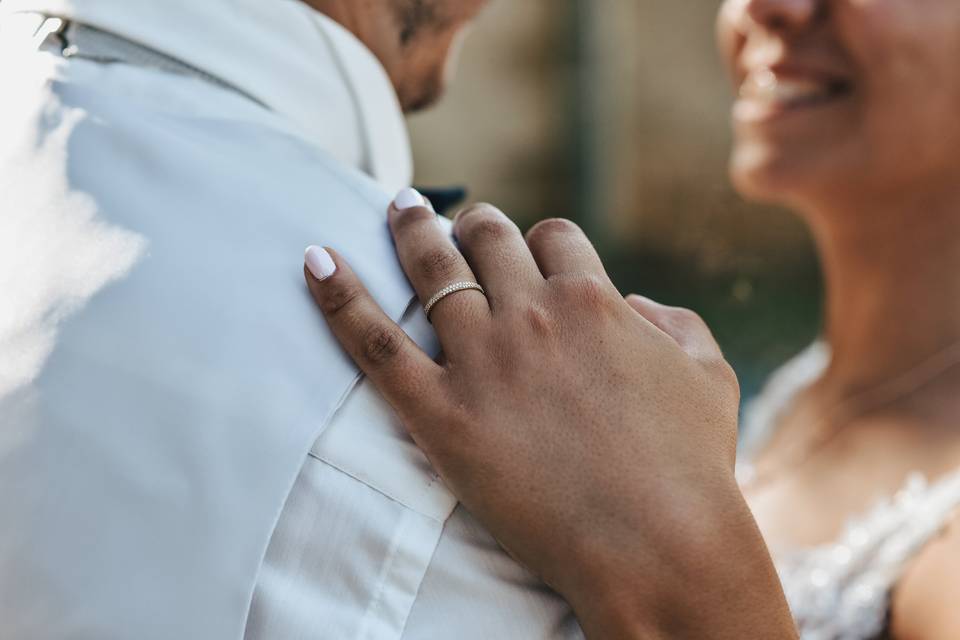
(424, 97)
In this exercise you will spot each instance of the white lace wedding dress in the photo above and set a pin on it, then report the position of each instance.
(841, 590)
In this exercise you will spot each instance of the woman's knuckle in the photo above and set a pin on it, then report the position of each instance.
(486, 229)
(539, 321)
(339, 297)
(594, 293)
(485, 225)
(439, 263)
(381, 343)
(588, 290)
(551, 227)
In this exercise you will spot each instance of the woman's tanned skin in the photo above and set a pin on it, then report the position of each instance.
(874, 171)
(595, 436)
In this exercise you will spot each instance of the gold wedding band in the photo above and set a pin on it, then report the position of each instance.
(449, 290)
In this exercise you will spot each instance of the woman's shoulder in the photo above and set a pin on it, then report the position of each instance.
(924, 604)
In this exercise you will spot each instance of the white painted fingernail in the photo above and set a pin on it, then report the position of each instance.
(407, 199)
(319, 262)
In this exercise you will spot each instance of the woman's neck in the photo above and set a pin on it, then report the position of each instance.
(892, 272)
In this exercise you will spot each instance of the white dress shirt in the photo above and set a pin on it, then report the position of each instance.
(185, 452)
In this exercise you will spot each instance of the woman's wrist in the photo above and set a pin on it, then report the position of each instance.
(714, 577)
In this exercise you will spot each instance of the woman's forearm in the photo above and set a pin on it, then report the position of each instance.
(717, 581)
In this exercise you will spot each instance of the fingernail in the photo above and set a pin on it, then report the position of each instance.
(407, 199)
(319, 262)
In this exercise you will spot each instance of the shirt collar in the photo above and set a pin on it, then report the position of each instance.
(300, 64)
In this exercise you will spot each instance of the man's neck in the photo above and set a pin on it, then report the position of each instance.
(343, 11)
(373, 23)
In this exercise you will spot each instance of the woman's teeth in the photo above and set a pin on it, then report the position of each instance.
(766, 86)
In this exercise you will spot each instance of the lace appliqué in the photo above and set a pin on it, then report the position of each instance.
(842, 590)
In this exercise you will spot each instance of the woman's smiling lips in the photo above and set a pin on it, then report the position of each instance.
(769, 93)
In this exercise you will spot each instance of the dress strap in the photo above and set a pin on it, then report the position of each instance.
(762, 415)
(920, 512)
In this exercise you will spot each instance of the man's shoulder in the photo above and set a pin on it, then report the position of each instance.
(157, 188)
(153, 192)
(182, 133)
(170, 369)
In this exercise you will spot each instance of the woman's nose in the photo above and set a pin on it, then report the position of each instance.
(782, 15)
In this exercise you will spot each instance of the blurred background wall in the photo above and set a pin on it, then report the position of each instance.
(615, 113)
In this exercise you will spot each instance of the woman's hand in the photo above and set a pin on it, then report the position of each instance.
(595, 437)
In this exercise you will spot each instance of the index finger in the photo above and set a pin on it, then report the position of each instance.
(406, 376)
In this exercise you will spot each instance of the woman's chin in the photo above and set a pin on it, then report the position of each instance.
(767, 179)
(762, 187)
